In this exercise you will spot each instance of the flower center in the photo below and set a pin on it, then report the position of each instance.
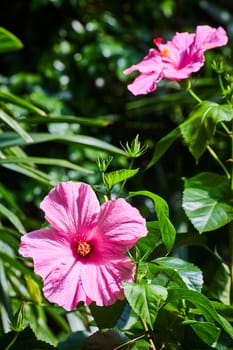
(83, 248)
(164, 52)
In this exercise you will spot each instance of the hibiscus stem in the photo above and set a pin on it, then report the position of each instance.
(192, 93)
(215, 156)
(150, 340)
(224, 91)
(13, 341)
(231, 225)
(129, 342)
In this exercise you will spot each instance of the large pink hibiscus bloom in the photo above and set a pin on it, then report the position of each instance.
(179, 58)
(81, 257)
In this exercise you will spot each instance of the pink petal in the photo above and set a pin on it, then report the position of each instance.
(71, 208)
(207, 37)
(151, 63)
(103, 283)
(58, 266)
(119, 226)
(172, 72)
(64, 287)
(181, 41)
(144, 84)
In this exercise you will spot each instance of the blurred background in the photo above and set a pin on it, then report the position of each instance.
(72, 63)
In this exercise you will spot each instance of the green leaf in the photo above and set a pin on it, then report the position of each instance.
(163, 145)
(30, 172)
(199, 129)
(8, 41)
(145, 300)
(13, 263)
(8, 97)
(172, 272)
(9, 139)
(107, 317)
(207, 201)
(114, 177)
(46, 161)
(10, 237)
(202, 303)
(12, 218)
(36, 317)
(206, 331)
(73, 341)
(224, 310)
(68, 119)
(14, 125)
(140, 344)
(147, 244)
(219, 285)
(24, 340)
(190, 274)
(168, 231)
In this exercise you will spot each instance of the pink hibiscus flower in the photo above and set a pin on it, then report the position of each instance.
(179, 58)
(81, 257)
(151, 73)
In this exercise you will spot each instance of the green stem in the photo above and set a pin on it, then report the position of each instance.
(12, 342)
(215, 156)
(131, 341)
(231, 258)
(150, 340)
(192, 93)
(224, 126)
(231, 224)
(124, 182)
(221, 84)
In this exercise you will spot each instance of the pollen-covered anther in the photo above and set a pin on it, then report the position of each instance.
(164, 52)
(83, 248)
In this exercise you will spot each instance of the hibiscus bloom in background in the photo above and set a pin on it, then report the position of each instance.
(179, 58)
(81, 257)
(151, 73)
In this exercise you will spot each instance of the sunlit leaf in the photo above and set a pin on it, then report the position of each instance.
(45, 161)
(14, 125)
(114, 177)
(8, 41)
(199, 129)
(140, 344)
(145, 300)
(168, 231)
(9, 97)
(207, 201)
(190, 274)
(9, 139)
(4, 211)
